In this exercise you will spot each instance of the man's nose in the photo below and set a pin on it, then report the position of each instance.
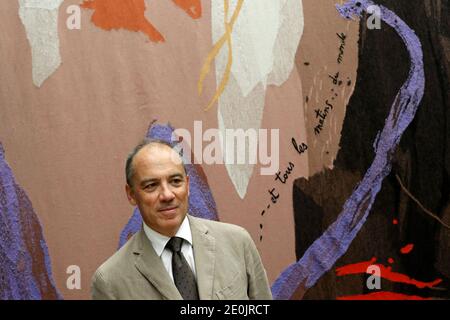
(166, 193)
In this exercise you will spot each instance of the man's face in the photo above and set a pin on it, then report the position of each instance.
(160, 188)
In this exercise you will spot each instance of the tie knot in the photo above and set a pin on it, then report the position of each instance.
(174, 244)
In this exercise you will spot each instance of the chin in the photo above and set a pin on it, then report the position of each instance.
(174, 222)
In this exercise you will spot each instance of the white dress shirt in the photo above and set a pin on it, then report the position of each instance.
(159, 242)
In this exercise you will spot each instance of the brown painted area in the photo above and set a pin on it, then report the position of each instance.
(443, 260)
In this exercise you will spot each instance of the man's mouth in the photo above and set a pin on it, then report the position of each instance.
(168, 209)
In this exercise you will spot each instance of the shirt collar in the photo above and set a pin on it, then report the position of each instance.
(159, 241)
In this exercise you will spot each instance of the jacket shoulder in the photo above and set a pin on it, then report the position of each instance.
(223, 230)
(119, 262)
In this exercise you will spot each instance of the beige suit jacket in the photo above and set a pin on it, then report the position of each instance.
(227, 264)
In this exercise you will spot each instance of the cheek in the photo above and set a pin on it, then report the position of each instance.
(182, 194)
(149, 200)
(185, 198)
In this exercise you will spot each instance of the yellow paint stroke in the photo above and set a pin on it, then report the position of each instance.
(206, 68)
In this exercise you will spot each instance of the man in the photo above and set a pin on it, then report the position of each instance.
(175, 255)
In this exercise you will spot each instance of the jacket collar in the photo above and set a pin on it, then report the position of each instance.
(149, 264)
(204, 246)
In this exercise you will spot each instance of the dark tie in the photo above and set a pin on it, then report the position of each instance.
(182, 274)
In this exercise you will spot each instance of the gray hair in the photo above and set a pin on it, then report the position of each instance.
(129, 170)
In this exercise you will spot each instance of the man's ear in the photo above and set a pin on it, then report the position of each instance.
(130, 195)
(187, 183)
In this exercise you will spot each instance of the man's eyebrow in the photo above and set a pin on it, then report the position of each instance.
(176, 175)
(145, 181)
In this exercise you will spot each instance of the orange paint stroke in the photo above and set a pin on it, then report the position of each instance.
(123, 14)
(386, 273)
(407, 249)
(382, 295)
(192, 7)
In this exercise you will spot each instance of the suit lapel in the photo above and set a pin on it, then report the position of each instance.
(151, 267)
(204, 246)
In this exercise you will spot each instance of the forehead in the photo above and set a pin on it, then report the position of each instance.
(157, 159)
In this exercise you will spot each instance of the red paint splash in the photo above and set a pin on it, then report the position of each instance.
(386, 273)
(192, 7)
(382, 295)
(130, 15)
(355, 268)
(395, 221)
(391, 261)
(407, 249)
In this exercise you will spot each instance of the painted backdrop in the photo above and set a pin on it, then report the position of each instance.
(350, 98)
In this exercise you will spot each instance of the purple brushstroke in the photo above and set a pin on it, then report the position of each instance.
(25, 268)
(201, 200)
(326, 250)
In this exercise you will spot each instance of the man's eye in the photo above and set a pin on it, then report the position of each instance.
(177, 181)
